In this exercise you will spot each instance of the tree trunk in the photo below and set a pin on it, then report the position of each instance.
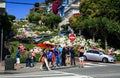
(106, 44)
(93, 38)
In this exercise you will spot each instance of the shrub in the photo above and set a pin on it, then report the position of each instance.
(118, 57)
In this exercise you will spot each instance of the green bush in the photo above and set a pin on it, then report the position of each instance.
(118, 57)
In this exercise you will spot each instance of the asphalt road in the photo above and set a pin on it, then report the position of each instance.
(91, 70)
(97, 70)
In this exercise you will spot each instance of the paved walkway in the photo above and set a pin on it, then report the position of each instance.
(24, 69)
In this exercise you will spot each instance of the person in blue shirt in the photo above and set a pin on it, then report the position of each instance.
(57, 56)
(60, 53)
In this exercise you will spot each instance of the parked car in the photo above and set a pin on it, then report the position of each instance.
(63, 32)
(97, 55)
(37, 39)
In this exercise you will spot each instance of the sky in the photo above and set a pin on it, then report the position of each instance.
(20, 10)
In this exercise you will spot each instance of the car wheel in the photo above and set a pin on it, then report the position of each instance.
(85, 58)
(104, 60)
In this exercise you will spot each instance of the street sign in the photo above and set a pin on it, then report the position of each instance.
(72, 37)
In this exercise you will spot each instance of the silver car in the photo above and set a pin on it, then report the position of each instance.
(97, 55)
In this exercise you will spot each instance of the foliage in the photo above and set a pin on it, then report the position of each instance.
(117, 57)
(11, 18)
(75, 23)
(107, 14)
(65, 27)
(52, 20)
(101, 8)
(5, 24)
(40, 28)
(34, 17)
(42, 11)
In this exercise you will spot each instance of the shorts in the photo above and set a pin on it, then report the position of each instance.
(68, 55)
(81, 58)
(49, 60)
(18, 60)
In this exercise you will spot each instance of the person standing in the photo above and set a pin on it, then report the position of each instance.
(60, 53)
(28, 58)
(63, 56)
(81, 57)
(44, 60)
(49, 57)
(72, 56)
(68, 59)
(18, 58)
(33, 59)
(57, 56)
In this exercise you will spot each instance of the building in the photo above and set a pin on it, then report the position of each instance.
(70, 9)
(65, 8)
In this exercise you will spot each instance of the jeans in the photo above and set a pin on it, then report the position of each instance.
(33, 63)
(57, 61)
(28, 62)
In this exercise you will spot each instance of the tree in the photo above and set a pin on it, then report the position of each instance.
(75, 23)
(92, 25)
(5, 25)
(101, 8)
(52, 20)
(34, 17)
(107, 10)
(107, 27)
(11, 18)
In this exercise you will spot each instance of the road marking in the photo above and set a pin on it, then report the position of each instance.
(94, 64)
(54, 74)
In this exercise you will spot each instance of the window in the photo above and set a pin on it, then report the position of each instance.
(95, 52)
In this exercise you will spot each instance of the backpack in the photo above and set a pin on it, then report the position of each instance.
(49, 55)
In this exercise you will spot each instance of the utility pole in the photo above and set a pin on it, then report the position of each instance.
(2, 13)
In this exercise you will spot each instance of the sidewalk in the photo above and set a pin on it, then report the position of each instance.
(24, 69)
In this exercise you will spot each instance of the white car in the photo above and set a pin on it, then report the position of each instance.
(97, 55)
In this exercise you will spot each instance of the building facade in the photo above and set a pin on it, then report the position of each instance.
(64, 8)
(67, 9)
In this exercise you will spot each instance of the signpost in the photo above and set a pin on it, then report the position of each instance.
(72, 37)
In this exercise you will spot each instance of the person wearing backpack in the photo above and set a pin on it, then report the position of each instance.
(49, 57)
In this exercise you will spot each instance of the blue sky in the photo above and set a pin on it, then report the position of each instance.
(20, 10)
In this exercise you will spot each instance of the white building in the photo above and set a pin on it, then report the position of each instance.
(70, 9)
